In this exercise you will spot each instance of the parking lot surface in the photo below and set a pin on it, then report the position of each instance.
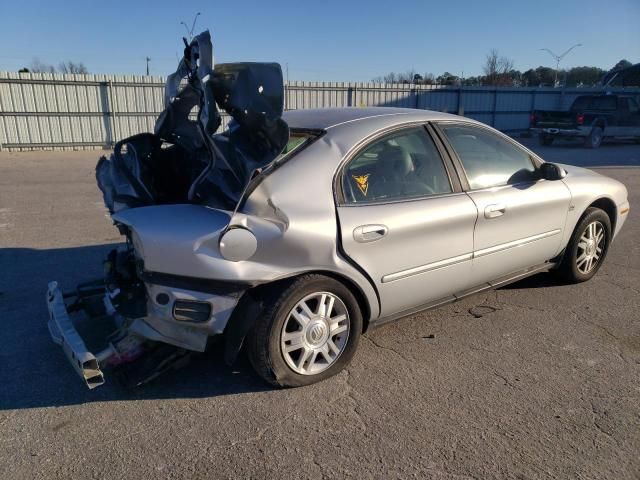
(535, 380)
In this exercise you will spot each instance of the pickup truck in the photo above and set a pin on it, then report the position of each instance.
(592, 118)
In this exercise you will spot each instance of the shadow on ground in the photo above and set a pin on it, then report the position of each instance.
(35, 372)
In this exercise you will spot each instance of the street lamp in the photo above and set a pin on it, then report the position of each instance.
(558, 58)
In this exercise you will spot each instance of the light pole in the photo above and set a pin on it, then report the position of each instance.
(148, 60)
(558, 58)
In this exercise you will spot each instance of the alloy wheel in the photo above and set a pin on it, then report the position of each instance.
(590, 247)
(315, 333)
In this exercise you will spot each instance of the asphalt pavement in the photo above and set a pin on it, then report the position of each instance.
(535, 380)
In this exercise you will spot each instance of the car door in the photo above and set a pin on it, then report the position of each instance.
(521, 217)
(404, 219)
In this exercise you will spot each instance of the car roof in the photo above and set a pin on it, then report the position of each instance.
(329, 118)
(346, 127)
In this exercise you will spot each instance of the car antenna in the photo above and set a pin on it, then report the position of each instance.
(193, 26)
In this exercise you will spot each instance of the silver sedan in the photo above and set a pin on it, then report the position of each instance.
(369, 215)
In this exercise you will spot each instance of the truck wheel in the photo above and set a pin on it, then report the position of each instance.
(588, 246)
(309, 332)
(594, 139)
(545, 140)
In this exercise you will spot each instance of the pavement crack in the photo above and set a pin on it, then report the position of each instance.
(386, 348)
(609, 333)
(594, 419)
(349, 393)
(595, 324)
(482, 349)
(506, 381)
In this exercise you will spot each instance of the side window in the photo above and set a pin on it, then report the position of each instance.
(633, 106)
(402, 165)
(488, 160)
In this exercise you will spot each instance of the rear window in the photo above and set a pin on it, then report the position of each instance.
(297, 139)
(594, 103)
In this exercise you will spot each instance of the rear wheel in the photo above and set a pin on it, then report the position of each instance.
(545, 139)
(588, 246)
(594, 139)
(309, 332)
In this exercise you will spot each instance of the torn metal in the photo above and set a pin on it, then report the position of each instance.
(183, 163)
(184, 160)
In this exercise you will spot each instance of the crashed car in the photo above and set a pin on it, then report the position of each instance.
(291, 234)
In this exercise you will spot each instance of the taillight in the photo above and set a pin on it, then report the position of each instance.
(533, 119)
(580, 119)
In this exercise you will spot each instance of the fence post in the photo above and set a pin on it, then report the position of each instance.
(350, 96)
(414, 94)
(460, 104)
(112, 113)
(495, 105)
(533, 100)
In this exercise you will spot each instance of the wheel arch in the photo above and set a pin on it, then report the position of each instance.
(600, 122)
(609, 207)
(251, 304)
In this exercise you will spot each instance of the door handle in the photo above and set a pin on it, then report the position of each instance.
(369, 233)
(495, 210)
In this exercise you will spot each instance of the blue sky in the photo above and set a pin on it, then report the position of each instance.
(326, 40)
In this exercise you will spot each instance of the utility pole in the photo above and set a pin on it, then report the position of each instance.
(558, 58)
(148, 60)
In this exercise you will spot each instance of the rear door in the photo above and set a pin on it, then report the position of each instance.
(405, 221)
(521, 217)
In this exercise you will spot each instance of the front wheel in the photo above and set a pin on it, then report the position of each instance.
(307, 333)
(588, 246)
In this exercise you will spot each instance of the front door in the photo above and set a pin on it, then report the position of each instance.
(521, 217)
(403, 223)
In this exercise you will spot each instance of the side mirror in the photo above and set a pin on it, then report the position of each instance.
(551, 171)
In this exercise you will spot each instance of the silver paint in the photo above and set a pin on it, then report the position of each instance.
(396, 255)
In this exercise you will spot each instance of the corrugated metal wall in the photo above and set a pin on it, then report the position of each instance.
(89, 111)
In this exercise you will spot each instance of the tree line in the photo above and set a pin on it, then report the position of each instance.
(37, 66)
(498, 71)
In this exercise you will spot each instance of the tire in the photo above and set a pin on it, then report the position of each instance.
(545, 140)
(280, 326)
(594, 139)
(574, 268)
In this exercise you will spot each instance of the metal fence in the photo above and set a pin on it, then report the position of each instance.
(93, 111)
